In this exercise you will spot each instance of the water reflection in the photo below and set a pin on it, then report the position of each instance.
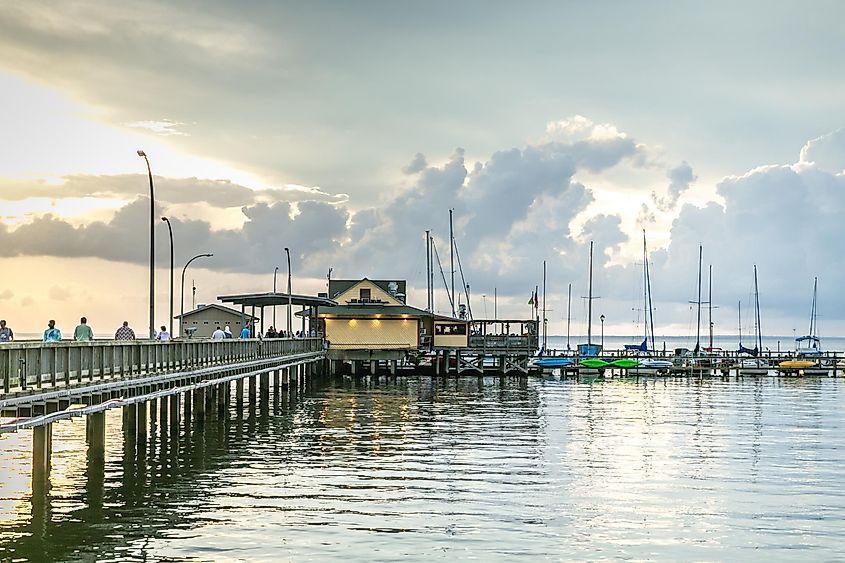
(469, 467)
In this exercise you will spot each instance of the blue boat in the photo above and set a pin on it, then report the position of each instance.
(551, 362)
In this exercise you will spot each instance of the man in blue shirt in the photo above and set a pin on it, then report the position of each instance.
(52, 334)
(245, 333)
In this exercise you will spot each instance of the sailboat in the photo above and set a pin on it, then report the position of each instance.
(755, 365)
(808, 353)
(696, 360)
(647, 365)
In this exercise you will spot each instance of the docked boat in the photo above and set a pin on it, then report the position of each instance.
(809, 358)
(552, 362)
(753, 365)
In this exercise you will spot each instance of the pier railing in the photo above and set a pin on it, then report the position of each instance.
(26, 365)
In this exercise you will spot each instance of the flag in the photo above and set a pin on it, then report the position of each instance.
(531, 299)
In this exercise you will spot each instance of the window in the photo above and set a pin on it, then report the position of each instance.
(441, 329)
(365, 294)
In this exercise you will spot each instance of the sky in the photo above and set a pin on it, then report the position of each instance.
(345, 130)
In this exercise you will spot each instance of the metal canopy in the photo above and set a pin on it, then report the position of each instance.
(271, 299)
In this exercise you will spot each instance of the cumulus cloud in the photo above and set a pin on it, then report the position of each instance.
(680, 178)
(826, 152)
(786, 219)
(417, 164)
(313, 232)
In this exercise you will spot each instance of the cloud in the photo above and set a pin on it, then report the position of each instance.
(6, 294)
(164, 127)
(417, 164)
(826, 152)
(680, 178)
(216, 193)
(784, 218)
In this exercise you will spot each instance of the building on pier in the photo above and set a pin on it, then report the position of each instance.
(202, 321)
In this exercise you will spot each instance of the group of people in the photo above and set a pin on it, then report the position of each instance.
(271, 333)
(224, 333)
(82, 332)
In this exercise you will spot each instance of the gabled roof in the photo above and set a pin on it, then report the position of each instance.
(338, 287)
(219, 308)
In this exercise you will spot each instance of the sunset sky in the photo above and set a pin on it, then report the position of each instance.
(344, 130)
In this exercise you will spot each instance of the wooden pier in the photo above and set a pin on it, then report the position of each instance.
(42, 383)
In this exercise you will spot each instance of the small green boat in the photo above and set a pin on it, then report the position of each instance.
(593, 363)
(625, 363)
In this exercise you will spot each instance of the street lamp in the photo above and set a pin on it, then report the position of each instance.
(290, 304)
(170, 230)
(275, 271)
(601, 318)
(143, 155)
(182, 295)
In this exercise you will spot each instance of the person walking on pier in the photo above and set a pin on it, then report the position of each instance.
(124, 332)
(245, 332)
(6, 334)
(218, 334)
(163, 336)
(52, 334)
(83, 332)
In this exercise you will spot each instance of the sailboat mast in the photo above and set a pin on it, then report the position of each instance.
(544, 307)
(648, 293)
(428, 270)
(710, 303)
(645, 289)
(757, 308)
(590, 300)
(568, 315)
(813, 310)
(739, 313)
(698, 319)
(452, 260)
(495, 303)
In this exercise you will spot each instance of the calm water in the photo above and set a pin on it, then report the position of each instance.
(424, 469)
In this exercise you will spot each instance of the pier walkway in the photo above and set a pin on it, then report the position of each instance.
(42, 383)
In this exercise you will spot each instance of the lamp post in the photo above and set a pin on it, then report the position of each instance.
(601, 318)
(170, 230)
(182, 295)
(275, 271)
(143, 155)
(290, 304)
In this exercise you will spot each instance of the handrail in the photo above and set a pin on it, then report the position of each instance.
(25, 365)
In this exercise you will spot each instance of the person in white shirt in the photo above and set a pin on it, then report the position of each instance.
(227, 332)
(218, 334)
(163, 336)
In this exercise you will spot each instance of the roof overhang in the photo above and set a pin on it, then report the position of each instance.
(272, 299)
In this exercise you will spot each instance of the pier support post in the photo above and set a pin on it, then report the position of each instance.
(187, 400)
(162, 415)
(41, 453)
(222, 392)
(354, 368)
(373, 365)
(174, 411)
(265, 386)
(96, 424)
(239, 394)
(392, 367)
(130, 425)
(437, 362)
(153, 411)
(141, 424)
(199, 403)
(251, 391)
